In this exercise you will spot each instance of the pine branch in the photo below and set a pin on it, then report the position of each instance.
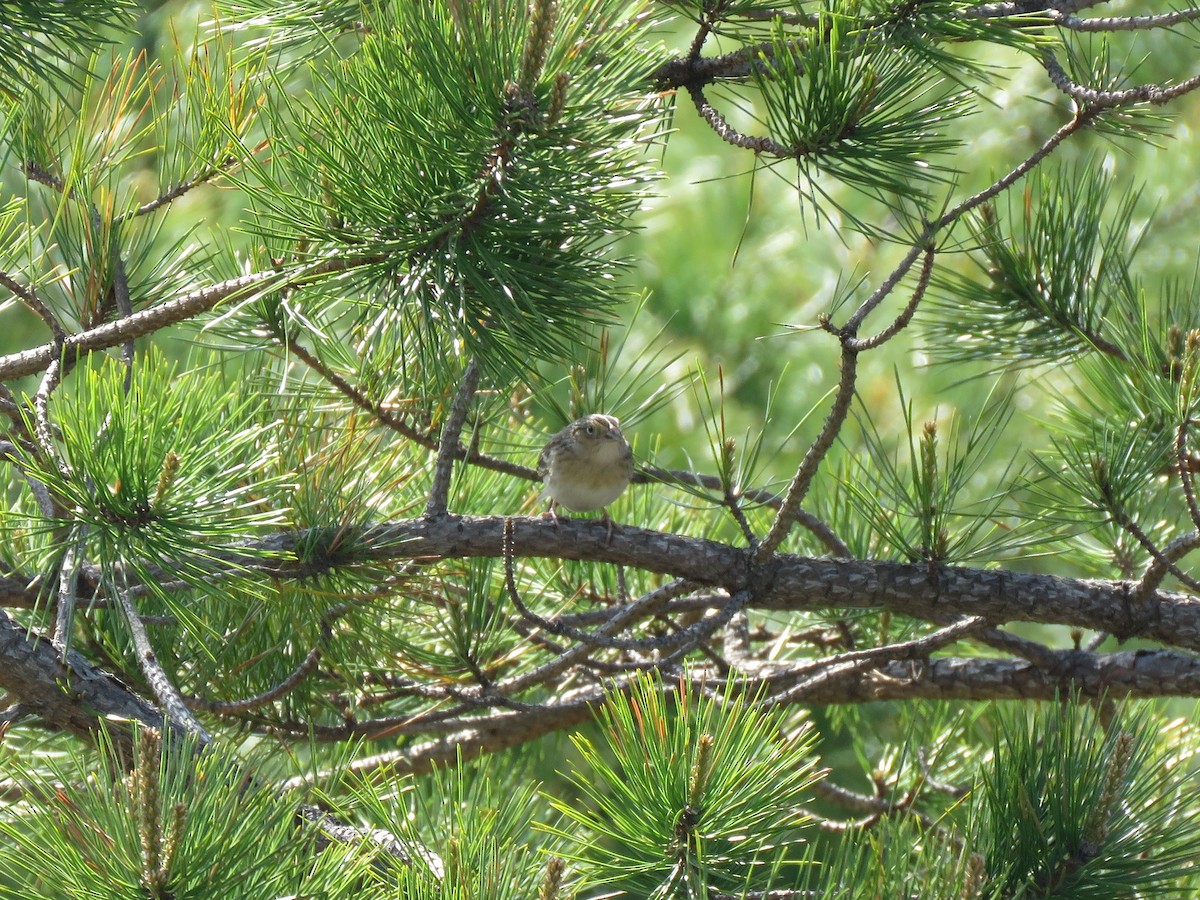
(170, 312)
(175, 192)
(784, 582)
(1122, 23)
(34, 670)
(30, 298)
(1126, 674)
(1096, 100)
(448, 445)
(179, 715)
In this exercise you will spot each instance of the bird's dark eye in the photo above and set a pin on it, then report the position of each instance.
(591, 429)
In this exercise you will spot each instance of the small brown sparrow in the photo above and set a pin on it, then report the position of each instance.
(586, 466)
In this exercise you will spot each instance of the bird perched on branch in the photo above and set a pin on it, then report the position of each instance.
(586, 466)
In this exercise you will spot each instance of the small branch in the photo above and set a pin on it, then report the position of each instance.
(731, 135)
(798, 489)
(146, 321)
(166, 692)
(34, 172)
(845, 665)
(36, 305)
(822, 532)
(906, 314)
(1184, 470)
(653, 475)
(1182, 545)
(881, 293)
(41, 407)
(624, 616)
(306, 667)
(179, 190)
(397, 424)
(800, 484)
(676, 643)
(697, 45)
(333, 830)
(1080, 120)
(871, 808)
(1122, 23)
(1163, 563)
(596, 639)
(439, 493)
(1090, 98)
(41, 494)
(739, 516)
(819, 529)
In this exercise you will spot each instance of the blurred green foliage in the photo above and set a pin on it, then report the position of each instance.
(737, 267)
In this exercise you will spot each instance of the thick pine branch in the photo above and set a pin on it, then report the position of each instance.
(783, 582)
(70, 695)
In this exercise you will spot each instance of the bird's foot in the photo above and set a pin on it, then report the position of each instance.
(609, 522)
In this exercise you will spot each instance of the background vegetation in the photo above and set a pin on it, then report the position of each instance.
(896, 302)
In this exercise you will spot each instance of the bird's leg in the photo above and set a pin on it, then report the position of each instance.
(552, 513)
(609, 522)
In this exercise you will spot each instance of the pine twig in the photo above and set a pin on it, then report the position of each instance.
(439, 493)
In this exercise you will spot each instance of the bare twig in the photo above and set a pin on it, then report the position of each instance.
(293, 680)
(30, 298)
(440, 491)
(735, 509)
(730, 135)
(46, 503)
(389, 420)
(334, 830)
(41, 407)
(801, 482)
(1122, 23)
(901, 321)
(618, 621)
(844, 665)
(871, 808)
(1164, 562)
(676, 643)
(166, 692)
(1091, 98)
(1180, 547)
(174, 193)
(147, 321)
(816, 452)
